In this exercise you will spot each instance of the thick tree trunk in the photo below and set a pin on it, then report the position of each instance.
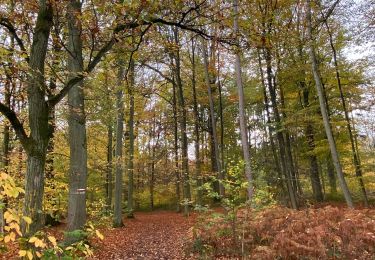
(215, 147)
(117, 217)
(36, 144)
(131, 141)
(77, 125)
(323, 108)
(356, 161)
(241, 108)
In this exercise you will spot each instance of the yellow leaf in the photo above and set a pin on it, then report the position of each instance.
(12, 236)
(38, 254)
(52, 240)
(27, 220)
(99, 235)
(29, 255)
(7, 239)
(22, 253)
(33, 239)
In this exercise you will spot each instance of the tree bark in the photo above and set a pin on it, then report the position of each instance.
(183, 126)
(356, 161)
(117, 217)
(109, 181)
(131, 140)
(196, 127)
(279, 134)
(175, 148)
(36, 145)
(215, 147)
(77, 125)
(323, 108)
(241, 108)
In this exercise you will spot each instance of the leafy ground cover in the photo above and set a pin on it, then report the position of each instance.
(280, 233)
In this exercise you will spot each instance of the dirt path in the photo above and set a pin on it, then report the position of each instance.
(155, 235)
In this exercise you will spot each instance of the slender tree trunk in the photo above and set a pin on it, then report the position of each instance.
(196, 128)
(356, 161)
(270, 128)
(279, 133)
(175, 148)
(77, 125)
(241, 108)
(5, 151)
(215, 147)
(314, 170)
(109, 177)
(323, 108)
(221, 115)
(117, 217)
(183, 126)
(131, 140)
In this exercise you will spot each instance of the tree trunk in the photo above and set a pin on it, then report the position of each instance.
(131, 141)
(208, 79)
(279, 133)
(77, 125)
(356, 161)
(36, 144)
(323, 108)
(241, 108)
(117, 217)
(196, 129)
(175, 148)
(183, 123)
(270, 128)
(109, 181)
(314, 170)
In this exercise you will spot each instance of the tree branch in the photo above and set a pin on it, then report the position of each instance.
(327, 14)
(16, 124)
(7, 24)
(108, 46)
(159, 72)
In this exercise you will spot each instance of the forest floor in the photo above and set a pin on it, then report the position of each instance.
(150, 235)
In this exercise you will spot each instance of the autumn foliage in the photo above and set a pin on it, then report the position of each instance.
(278, 232)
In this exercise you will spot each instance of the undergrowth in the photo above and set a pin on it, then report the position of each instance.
(281, 233)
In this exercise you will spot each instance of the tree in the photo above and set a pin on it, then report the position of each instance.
(77, 124)
(117, 216)
(323, 109)
(241, 108)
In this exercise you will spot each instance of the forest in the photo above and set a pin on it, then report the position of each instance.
(187, 129)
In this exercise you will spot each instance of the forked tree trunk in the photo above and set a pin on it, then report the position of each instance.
(323, 109)
(77, 125)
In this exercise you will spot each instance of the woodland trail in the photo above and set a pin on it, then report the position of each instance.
(151, 235)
